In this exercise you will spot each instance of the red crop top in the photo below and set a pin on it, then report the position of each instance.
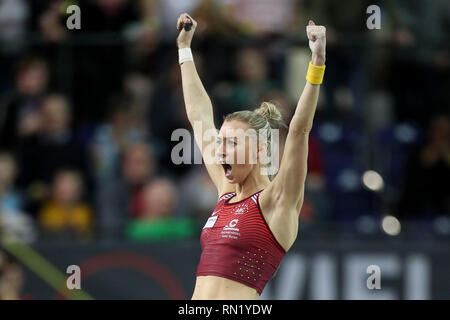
(237, 243)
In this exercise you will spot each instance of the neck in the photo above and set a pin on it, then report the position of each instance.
(254, 182)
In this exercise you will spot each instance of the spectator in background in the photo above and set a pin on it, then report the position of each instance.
(13, 21)
(169, 11)
(52, 147)
(10, 198)
(109, 15)
(13, 220)
(51, 22)
(11, 278)
(157, 220)
(261, 17)
(346, 57)
(166, 114)
(138, 89)
(13, 18)
(111, 138)
(214, 19)
(426, 192)
(160, 198)
(122, 198)
(98, 16)
(251, 70)
(19, 113)
(98, 70)
(199, 196)
(423, 51)
(65, 213)
(125, 30)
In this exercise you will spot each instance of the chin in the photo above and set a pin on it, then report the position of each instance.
(236, 180)
(231, 181)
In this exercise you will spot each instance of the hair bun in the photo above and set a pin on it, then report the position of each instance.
(270, 111)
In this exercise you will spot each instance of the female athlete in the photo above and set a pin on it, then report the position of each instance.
(255, 221)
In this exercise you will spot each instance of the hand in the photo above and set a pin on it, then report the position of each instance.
(185, 37)
(317, 42)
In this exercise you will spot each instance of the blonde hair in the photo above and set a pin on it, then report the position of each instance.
(266, 117)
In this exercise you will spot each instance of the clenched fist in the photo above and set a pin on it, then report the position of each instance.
(317, 42)
(185, 37)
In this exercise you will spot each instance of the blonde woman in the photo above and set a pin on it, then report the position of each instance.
(255, 221)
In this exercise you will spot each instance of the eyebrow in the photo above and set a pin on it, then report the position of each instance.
(226, 138)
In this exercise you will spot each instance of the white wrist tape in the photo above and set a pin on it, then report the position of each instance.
(185, 54)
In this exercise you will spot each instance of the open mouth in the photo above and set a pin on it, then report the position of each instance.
(227, 169)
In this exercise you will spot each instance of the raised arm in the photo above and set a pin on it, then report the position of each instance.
(198, 104)
(288, 185)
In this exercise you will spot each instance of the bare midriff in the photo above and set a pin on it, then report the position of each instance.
(218, 288)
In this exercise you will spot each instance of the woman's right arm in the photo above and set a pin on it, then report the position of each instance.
(199, 107)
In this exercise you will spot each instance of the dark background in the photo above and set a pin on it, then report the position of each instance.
(86, 118)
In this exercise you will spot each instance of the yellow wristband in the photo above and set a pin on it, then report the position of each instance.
(315, 74)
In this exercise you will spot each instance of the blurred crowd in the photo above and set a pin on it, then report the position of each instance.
(11, 277)
(86, 116)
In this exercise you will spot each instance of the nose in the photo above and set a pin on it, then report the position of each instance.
(221, 153)
(222, 156)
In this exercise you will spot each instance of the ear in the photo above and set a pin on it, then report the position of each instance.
(262, 149)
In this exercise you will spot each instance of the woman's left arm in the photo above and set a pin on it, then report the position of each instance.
(287, 188)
